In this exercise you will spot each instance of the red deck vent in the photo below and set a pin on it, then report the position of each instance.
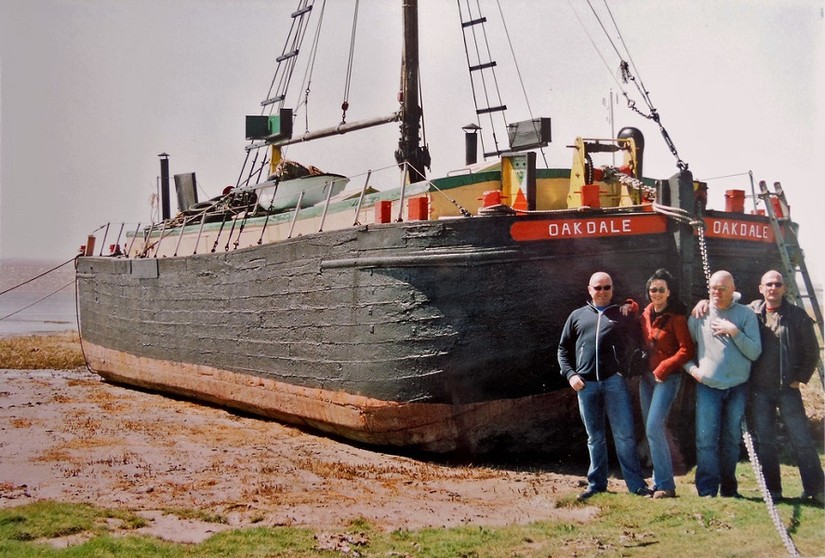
(418, 209)
(383, 211)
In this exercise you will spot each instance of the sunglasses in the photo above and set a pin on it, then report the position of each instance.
(776, 284)
(660, 290)
(602, 287)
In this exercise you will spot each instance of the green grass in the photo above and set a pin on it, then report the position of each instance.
(625, 525)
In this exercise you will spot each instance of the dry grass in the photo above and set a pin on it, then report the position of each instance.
(814, 401)
(56, 352)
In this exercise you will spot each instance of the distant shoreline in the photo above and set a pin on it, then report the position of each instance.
(22, 312)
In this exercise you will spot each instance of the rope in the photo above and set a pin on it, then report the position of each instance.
(306, 84)
(627, 77)
(348, 80)
(37, 301)
(38, 277)
(77, 318)
(518, 72)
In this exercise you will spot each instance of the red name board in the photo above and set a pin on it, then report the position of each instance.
(560, 229)
(739, 230)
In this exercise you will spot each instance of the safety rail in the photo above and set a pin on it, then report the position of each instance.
(139, 240)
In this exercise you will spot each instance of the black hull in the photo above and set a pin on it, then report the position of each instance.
(436, 335)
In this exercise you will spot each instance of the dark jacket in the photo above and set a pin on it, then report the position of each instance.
(595, 344)
(798, 348)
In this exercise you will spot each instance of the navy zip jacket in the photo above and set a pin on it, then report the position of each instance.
(594, 344)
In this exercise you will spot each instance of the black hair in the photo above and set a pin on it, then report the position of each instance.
(674, 304)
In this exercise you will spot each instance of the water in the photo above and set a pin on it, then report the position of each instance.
(53, 314)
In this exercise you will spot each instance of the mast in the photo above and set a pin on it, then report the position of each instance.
(409, 148)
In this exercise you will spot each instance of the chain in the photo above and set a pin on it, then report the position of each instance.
(703, 251)
(746, 435)
(766, 495)
(627, 77)
(612, 174)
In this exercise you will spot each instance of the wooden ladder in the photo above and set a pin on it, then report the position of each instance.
(785, 232)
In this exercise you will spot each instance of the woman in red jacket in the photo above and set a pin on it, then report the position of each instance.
(667, 342)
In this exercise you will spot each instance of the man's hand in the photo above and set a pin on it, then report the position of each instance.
(576, 382)
(721, 328)
(629, 308)
(701, 308)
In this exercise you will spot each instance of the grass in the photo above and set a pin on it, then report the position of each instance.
(32, 352)
(625, 525)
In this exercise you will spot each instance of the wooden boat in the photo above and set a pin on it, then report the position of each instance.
(424, 316)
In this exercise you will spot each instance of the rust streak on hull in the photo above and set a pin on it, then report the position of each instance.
(429, 427)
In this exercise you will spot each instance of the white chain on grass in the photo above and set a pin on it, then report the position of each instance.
(683, 216)
(766, 494)
(746, 435)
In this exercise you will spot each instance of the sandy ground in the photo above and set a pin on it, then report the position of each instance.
(68, 436)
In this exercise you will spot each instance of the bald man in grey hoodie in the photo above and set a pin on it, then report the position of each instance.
(727, 342)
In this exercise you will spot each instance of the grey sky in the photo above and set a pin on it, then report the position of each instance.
(92, 90)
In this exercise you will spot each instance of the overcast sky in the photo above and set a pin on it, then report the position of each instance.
(91, 91)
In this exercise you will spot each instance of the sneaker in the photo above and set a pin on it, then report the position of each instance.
(644, 492)
(732, 495)
(657, 494)
(590, 492)
(776, 495)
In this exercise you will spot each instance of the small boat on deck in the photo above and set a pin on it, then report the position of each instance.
(415, 313)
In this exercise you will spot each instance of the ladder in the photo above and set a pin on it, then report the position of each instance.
(483, 81)
(288, 57)
(785, 232)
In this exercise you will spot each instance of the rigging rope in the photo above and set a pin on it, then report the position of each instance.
(348, 80)
(627, 77)
(27, 281)
(518, 73)
(39, 300)
(307, 80)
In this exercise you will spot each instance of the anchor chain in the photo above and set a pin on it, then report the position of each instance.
(703, 251)
(615, 175)
(746, 435)
(681, 215)
(766, 494)
(627, 77)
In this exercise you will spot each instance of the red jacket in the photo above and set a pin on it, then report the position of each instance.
(667, 342)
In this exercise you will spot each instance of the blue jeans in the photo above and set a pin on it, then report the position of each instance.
(792, 410)
(656, 400)
(719, 414)
(609, 399)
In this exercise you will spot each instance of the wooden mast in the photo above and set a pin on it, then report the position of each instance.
(409, 148)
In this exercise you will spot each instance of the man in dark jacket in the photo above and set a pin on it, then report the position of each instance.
(592, 356)
(789, 355)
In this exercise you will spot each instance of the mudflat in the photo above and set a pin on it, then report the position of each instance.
(67, 435)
